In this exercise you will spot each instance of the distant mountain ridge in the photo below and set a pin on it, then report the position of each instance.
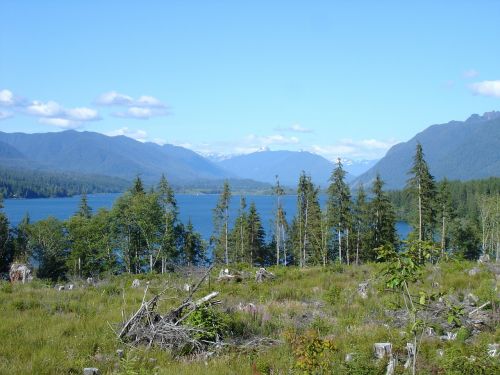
(457, 150)
(288, 165)
(95, 153)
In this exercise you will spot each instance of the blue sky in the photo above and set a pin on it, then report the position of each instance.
(340, 78)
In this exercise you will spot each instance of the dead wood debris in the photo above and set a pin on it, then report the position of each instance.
(147, 327)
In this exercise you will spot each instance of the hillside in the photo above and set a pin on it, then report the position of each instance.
(458, 150)
(265, 165)
(94, 153)
(26, 183)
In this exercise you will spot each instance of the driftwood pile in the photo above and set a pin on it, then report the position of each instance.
(147, 327)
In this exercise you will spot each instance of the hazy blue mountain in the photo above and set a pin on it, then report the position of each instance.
(9, 152)
(265, 165)
(358, 167)
(458, 150)
(94, 153)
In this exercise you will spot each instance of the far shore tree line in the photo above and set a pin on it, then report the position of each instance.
(142, 231)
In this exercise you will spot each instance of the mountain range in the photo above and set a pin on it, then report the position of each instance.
(457, 150)
(97, 154)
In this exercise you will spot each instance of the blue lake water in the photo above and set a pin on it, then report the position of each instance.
(198, 208)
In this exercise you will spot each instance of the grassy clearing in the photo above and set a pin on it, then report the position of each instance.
(316, 313)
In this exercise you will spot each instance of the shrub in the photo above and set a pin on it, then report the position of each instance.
(213, 323)
(313, 355)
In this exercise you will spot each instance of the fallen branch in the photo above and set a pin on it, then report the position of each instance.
(479, 308)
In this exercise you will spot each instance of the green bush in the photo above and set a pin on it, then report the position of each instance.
(213, 323)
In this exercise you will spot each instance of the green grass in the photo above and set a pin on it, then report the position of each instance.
(45, 331)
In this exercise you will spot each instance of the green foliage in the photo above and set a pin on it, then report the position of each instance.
(24, 183)
(313, 355)
(212, 323)
(455, 314)
(49, 246)
(461, 360)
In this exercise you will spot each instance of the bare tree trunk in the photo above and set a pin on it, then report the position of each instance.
(347, 246)
(284, 243)
(443, 236)
(225, 229)
(340, 246)
(277, 239)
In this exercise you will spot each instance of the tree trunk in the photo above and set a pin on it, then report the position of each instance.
(347, 246)
(225, 245)
(357, 248)
(443, 236)
(340, 246)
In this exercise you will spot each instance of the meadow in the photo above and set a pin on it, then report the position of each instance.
(315, 318)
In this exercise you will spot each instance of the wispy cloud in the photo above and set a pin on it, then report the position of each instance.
(144, 107)
(355, 149)
(5, 115)
(246, 145)
(9, 99)
(52, 113)
(140, 113)
(138, 135)
(297, 128)
(486, 88)
(274, 139)
(470, 73)
(49, 112)
(59, 122)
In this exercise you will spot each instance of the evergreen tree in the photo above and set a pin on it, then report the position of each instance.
(6, 250)
(361, 223)
(84, 209)
(382, 219)
(306, 226)
(339, 208)
(193, 246)
(422, 185)
(280, 225)
(221, 225)
(240, 233)
(256, 237)
(138, 186)
(173, 230)
(446, 211)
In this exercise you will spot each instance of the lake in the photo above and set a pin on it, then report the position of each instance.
(198, 208)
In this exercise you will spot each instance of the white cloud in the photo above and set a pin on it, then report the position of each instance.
(470, 73)
(295, 128)
(268, 140)
(138, 135)
(140, 113)
(114, 98)
(159, 141)
(143, 108)
(48, 109)
(486, 88)
(5, 115)
(355, 149)
(6, 98)
(82, 114)
(149, 101)
(63, 123)
(52, 113)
